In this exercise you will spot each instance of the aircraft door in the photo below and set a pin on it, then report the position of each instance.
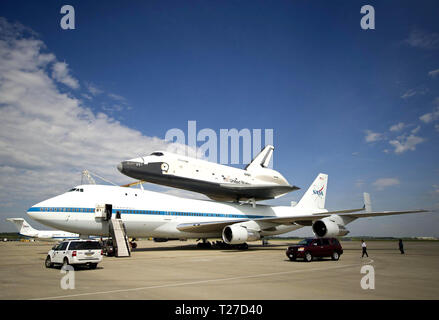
(108, 211)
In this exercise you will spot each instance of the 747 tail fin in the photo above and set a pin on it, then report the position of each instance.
(315, 196)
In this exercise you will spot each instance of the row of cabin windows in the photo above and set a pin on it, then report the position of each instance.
(193, 214)
(67, 209)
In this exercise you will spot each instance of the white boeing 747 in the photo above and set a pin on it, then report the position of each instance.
(25, 229)
(219, 182)
(87, 209)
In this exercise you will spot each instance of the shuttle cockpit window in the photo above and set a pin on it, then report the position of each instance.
(158, 154)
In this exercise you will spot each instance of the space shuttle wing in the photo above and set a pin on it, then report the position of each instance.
(260, 192)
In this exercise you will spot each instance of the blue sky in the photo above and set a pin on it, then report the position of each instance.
(330, 90)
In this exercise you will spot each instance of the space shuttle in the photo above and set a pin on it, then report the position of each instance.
(219, 182)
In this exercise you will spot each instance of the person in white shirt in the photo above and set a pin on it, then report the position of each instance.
(363, 245)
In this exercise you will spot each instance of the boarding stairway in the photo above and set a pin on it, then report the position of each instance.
(120, 239)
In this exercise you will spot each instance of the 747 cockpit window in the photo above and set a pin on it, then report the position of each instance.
(158, 154)
(76, 189)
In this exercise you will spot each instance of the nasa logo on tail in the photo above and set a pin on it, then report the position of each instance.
(318, 192)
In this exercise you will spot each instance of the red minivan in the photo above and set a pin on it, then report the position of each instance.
(318, 248)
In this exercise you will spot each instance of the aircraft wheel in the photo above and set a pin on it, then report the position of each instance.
(204, 245)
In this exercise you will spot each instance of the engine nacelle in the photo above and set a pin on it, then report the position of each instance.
(327, 228)
(236, 234)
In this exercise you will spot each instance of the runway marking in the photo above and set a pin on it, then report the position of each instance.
(201, 281)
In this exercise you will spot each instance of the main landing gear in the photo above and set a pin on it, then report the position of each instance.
(204, 245)
(221, 245)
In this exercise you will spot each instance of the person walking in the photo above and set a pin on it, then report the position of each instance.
(401, 246)
(364, 247)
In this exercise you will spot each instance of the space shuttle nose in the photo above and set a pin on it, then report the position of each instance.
(120, 166)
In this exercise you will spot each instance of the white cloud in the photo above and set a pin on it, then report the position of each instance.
(412, 92)
(433, 73)
(60, 72)
(406, 143)
(117, 97)
(397, 127)
(431, 116)
(383, 183)
(416, 130)
(436, 126)
(372, 136)
(408, 94)
(421, 39)
(93, 89)
(47, 137)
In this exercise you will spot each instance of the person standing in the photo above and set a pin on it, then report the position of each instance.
(401, 246)
(364, 247)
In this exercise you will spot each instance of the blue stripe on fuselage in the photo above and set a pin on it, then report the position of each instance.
(148, 212)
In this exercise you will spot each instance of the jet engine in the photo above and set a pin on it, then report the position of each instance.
(237, 233)
(328, 228)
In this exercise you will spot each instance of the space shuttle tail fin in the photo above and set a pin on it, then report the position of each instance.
(262, 159)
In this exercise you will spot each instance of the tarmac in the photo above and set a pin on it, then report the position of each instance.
(179, 270)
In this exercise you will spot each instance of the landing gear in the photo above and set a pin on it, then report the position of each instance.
(223, 245)
(204, 245)
(133, 245)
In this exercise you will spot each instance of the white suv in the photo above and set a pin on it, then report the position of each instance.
(75, 252)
